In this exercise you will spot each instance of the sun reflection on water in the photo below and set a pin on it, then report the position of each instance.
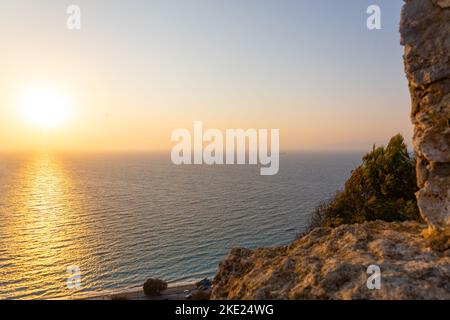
(41, 233)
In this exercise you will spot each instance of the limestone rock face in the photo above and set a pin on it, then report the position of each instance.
(425, 31)
(332, 264)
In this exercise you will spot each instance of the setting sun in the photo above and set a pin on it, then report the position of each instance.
(45, 107)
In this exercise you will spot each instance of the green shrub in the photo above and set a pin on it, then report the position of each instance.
(381, 188)
(154, 287)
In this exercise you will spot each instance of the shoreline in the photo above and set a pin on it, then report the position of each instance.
(174, 291)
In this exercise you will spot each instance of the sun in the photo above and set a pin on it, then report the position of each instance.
(45, 107)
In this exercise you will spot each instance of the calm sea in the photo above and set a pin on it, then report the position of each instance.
(122, 218)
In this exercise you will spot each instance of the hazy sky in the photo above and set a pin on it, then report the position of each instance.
(137, 70)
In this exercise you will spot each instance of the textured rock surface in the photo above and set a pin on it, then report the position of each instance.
(425, 31)
(332, 264)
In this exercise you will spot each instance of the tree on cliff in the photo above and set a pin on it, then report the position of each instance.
(381, 188)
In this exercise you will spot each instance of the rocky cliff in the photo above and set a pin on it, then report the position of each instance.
(333, 263)
(425, 32)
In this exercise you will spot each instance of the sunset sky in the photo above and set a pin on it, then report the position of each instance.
(137, 70)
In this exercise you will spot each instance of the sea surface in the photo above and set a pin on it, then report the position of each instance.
(122, 218)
